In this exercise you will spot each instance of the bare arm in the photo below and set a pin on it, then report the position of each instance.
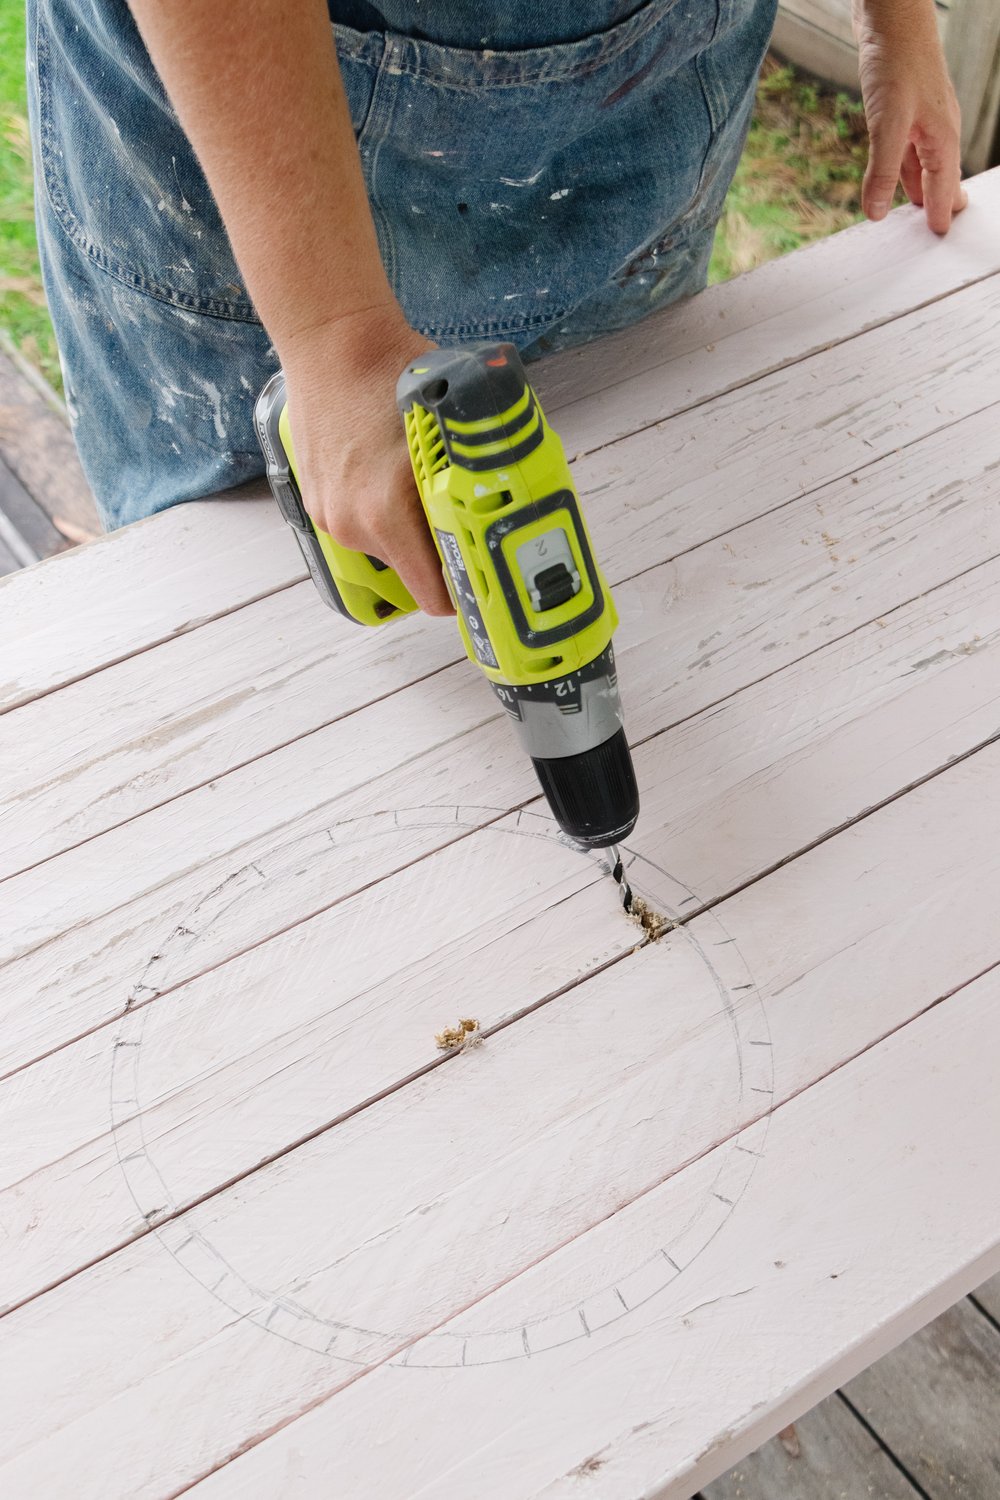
(257, 88)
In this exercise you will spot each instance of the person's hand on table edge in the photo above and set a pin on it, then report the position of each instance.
(914, 121)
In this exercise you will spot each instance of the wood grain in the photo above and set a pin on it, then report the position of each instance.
(102, 602)
(845, 729)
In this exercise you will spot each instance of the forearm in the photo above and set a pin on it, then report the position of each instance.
(257, 88)
(874, 18)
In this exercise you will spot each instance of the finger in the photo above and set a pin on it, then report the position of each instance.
(885, 159)
(911, 175)
(421, 572)
(408, 548)
(940, 183)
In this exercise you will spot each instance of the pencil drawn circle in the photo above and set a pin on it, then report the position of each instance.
(279, 1293)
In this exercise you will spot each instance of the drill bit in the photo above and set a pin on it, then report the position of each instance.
(618, 871)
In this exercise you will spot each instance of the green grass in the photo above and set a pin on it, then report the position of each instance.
(800, 178)
(22, 302)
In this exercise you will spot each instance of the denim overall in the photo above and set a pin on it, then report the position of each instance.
(544, 174)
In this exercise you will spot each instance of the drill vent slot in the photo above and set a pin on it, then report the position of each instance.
(426, 444)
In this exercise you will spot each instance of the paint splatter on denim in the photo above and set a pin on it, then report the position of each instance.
(540, 185)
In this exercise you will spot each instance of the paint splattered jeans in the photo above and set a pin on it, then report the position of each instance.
(536, 184)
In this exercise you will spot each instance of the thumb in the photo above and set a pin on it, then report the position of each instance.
(886, 148)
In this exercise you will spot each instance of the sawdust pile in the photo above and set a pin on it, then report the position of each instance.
(463, 1036)
(643, 915)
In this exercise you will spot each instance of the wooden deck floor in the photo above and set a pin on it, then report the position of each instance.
(923, 1423)
(45, 502)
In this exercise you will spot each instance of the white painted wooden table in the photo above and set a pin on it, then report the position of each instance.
(258, 1236)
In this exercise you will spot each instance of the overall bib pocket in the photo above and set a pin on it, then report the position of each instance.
(506, 185)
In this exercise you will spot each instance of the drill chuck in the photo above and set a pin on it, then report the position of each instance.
(571, 727)
(593, 795)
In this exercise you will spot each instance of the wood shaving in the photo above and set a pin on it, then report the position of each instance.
(651, 922)
(463, 1036)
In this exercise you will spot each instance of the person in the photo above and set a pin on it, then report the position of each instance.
(337, 185)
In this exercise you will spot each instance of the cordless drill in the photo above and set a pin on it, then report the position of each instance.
(533, 608)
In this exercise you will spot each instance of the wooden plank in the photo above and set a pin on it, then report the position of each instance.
(972, 49)
(82, 928)
(223, 555)
(827, 1455)
(935, 1401)
(855, 1254)
(257, 678)
(223, 695)
(832, 17)
(211, 1046)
